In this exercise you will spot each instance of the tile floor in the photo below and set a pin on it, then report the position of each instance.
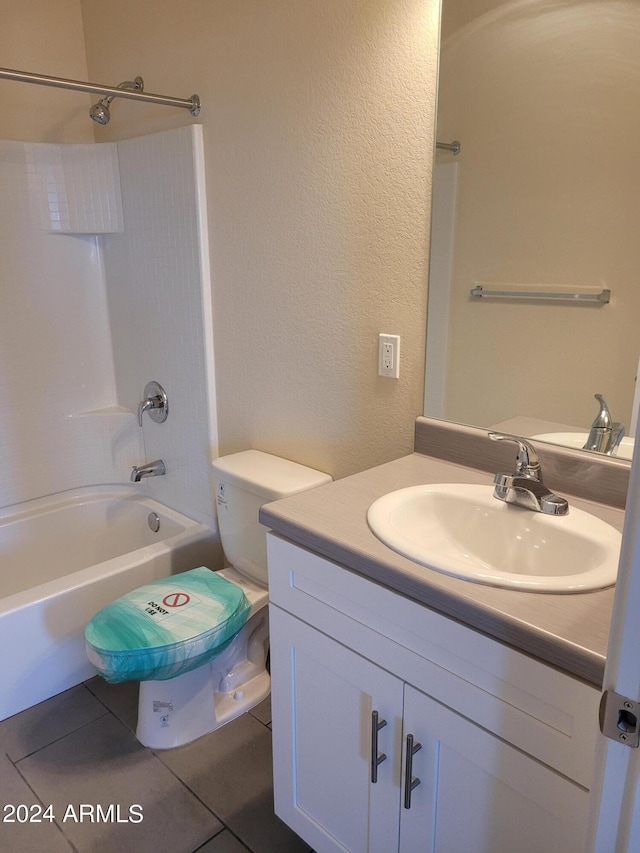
(78, 748)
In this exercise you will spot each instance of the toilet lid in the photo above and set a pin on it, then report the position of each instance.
(167, 627)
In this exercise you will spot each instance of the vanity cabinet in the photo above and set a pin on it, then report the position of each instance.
(395, 728)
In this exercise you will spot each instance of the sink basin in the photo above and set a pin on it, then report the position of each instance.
(578, 439)
(460, 529)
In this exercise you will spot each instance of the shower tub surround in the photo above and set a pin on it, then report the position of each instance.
(99, 244)
(64, 557)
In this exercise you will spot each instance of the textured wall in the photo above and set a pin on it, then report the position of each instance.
(318, 120)
(43, 37)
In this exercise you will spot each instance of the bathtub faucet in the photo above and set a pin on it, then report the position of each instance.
(151, 469)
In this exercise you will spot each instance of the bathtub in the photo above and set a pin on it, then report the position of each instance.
(64, 557)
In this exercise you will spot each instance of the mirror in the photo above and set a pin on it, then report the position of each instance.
(543, 198)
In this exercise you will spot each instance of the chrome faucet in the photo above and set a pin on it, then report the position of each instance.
(151, 469)
(605, 434)
(155, 402)
(525, 487)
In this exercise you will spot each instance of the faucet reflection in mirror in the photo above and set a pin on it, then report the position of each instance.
(605, 434)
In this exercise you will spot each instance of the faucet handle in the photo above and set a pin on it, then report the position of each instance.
(527, 460)
(155, 402)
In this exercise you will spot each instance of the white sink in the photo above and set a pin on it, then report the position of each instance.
(460, 529)
(578, 439)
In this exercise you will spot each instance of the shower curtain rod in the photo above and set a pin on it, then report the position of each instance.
(192, 103)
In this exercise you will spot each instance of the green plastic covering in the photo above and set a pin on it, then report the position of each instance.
(167, 627)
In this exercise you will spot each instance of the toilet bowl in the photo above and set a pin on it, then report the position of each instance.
(198, 641)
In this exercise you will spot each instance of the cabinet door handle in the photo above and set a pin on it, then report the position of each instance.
(376, 757)
(410, 781)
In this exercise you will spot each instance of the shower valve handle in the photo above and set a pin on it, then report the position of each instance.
(155, 402)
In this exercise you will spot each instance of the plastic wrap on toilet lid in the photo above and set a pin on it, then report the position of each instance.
(167, 627)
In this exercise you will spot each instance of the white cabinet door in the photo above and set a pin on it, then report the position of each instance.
(479, 794)
(323, 699)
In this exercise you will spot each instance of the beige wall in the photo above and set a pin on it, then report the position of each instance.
(318, 120)
(545, 99)
(43, 37)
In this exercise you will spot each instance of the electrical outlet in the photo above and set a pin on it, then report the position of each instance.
(389, 355)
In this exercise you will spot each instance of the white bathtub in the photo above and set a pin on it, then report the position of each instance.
(64, 557)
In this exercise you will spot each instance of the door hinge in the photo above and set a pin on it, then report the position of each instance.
(619, 718)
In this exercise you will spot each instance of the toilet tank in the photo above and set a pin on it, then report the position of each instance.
(244, 482)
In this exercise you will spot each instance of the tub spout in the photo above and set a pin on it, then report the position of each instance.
(151, 469)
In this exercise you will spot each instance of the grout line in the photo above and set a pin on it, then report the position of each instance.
(110, 710)
(258, 720)
(62, 737)
(215, 835)
(37, 796)
(158, 755)
(225, 828)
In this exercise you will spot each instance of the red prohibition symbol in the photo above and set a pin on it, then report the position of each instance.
(176, 599)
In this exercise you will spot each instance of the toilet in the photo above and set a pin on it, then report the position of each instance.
(198, 641)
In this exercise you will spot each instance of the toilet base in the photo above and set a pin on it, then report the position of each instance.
(179, 710)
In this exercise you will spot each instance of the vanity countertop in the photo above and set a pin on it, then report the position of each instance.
(569, 631)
